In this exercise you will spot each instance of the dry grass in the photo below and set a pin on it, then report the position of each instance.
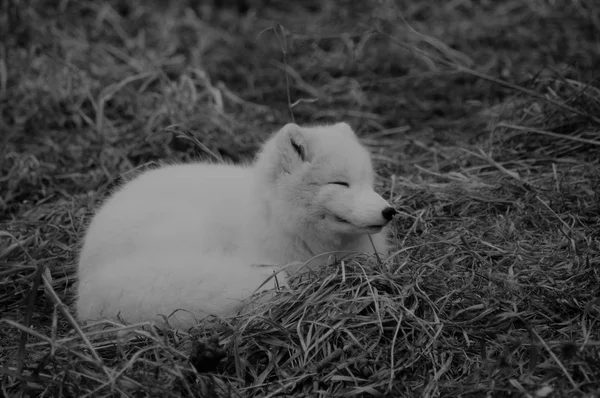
(484, 120)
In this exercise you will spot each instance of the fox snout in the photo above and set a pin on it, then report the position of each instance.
(377, 210)
(364, 209)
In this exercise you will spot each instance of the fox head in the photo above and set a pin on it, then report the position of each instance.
(320, 183)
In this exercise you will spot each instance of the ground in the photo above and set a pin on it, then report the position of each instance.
(484, 121)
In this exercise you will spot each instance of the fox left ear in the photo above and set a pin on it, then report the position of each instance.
(345, 127)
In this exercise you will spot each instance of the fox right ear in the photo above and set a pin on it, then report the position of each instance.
(297, 140)
(298, 148)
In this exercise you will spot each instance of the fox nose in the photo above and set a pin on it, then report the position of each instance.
(388, 213)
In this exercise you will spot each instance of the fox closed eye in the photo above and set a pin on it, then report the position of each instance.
(342, 183)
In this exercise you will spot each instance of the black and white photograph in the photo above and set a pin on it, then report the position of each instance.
(312, 198)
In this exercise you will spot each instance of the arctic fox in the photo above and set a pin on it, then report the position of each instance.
(190, 240)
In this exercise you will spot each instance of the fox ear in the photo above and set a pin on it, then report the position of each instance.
(298, 148)
(297, 141)
(345, 127)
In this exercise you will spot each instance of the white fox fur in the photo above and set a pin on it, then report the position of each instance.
(191, 236)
